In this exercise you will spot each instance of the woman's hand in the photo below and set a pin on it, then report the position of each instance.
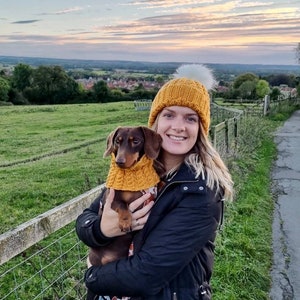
(110, 220)
(140, 210)
(109, 225)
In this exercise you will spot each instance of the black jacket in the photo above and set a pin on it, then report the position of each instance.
(174, 250)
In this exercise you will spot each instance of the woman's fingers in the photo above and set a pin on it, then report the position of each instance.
(141, 201)
(140, 209)
(143, 211)
(110, 197)
(110, 220)
(138, 224)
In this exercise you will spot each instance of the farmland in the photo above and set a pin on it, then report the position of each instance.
(50, 154)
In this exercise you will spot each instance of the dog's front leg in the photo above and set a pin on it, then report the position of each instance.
(121, 207)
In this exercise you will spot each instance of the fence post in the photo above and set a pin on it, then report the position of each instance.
(212, 132)
(266, 104)
(235, 132)
(226, 136)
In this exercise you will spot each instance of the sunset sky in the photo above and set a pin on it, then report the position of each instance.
(198, 31)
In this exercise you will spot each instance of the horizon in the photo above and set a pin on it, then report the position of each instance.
(140, 61)
(190, 31)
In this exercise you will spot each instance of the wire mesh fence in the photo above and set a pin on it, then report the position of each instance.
(46, 262)
(51, 269)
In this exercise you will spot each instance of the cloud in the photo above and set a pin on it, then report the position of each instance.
(153, 28)
(68, 10)
(203, 25)
(254, 4)
(166, 3)
(64, 11)
(31, 38)
(267, 53)
(25, 21)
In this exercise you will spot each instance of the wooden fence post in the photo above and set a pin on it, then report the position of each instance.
(226, 137)
(266, 104)
(235, 132)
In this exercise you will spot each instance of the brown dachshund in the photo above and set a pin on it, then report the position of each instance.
(128, 146)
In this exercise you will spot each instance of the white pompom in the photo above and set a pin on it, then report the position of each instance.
(197, 72)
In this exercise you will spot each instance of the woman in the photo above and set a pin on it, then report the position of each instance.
(174, 247)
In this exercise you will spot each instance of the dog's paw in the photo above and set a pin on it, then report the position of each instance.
(125, 225)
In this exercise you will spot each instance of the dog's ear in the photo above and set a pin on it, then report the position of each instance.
(152, 142)
(110, 142)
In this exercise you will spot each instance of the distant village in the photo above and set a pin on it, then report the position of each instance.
(121, 83)
(131, 84)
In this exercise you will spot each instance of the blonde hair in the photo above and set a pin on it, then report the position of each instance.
(205, 161)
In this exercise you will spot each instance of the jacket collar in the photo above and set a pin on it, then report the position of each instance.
(183, 174)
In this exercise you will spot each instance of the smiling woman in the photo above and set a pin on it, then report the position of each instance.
(179, 229)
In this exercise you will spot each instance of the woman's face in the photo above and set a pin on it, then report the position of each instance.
(178, 127)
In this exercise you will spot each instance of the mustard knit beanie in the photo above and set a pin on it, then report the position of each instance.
(189, 88)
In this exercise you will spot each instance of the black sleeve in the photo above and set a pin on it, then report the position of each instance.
(88, 225)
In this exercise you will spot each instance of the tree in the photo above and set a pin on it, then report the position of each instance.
(262, 88)
(275, 93)
(278, 79)
(22, 77)
(51, 85)
(101, 91)
(247, 89)
(4, 89)
(117, 95)
(159, 79)
(244, 77)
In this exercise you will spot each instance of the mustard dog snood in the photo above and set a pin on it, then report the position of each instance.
(139, 177)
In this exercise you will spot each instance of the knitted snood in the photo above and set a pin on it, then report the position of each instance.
(140, 176)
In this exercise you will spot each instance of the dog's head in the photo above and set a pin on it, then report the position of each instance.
(130, 143)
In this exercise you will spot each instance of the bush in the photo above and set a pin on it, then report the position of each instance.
(283, 110)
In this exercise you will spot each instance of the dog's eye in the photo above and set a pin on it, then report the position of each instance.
(136, 141)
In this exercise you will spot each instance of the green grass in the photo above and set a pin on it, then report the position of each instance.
(243, 253)
(32, 130)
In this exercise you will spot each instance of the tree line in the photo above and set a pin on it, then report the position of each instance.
(249, 86)
(53, 85)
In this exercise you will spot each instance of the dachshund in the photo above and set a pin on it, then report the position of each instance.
(128, 145)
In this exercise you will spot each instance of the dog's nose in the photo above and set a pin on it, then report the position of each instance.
(120, 162)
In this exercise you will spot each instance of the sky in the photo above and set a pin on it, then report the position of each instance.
(196, 31)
